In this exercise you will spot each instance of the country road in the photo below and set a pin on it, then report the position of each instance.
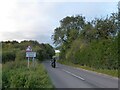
(68, 77)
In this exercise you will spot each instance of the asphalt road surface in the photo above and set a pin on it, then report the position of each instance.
(64, 76)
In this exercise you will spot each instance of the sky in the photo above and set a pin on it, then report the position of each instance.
(36, 19)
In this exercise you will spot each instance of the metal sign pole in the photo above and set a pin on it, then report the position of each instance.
(30, 54)
(28, 62)
(33, 62)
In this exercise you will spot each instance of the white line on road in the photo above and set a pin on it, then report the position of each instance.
(73, 74)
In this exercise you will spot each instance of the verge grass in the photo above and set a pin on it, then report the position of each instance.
(113, 73)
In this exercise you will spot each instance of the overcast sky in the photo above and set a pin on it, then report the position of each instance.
(37, 19)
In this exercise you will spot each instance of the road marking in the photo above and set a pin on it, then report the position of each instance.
(98, 73)
(73, 74)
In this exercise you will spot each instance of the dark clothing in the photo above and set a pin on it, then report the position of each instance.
(54, 63)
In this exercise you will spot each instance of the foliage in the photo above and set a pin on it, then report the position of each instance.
(69, 29)
(13, 50)
(17, 75)
(8, 56)
(93, 44)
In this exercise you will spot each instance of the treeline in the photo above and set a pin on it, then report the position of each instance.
(16, 74)
(91, 43)
(13, 50)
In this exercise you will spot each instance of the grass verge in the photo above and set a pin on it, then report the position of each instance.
(113, 73)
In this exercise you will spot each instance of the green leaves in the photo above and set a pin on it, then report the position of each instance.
(102, 54)
(12, 50)
(94, 43)
(15, 73)
(22, 77)
(69, 29)
(8, 56)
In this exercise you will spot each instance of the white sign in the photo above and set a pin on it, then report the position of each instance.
(30, 54)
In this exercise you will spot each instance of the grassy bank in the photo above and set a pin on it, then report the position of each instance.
(17, 75)
(113, 73)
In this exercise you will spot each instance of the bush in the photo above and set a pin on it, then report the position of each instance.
(101, 54)
(40, 56)
(8, 56)
(20, 55)
(22, 77)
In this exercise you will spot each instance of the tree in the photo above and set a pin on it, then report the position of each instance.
(12, 50)
(106, 27)
(68, 27)
(88, 33)
(119, 16)
(89, 43)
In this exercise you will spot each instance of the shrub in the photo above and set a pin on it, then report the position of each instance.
(101, 54)
(20, 55)
(22, 77)
(8, 56)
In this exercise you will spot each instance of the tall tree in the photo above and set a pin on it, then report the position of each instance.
(106, 27)
(69, 29)
(119, 15)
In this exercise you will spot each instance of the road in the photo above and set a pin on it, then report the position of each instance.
(64, 76)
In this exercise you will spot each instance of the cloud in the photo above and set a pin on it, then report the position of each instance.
(79, 0)
(36, 19)
(7, 8)
(25, 19)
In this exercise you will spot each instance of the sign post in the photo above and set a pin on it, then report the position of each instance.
(28, 61)
(30, 54)
(33, 62)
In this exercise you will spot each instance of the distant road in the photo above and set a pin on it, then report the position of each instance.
(65, 76)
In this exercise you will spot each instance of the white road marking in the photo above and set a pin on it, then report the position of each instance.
(73, 74)
(98, 73)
